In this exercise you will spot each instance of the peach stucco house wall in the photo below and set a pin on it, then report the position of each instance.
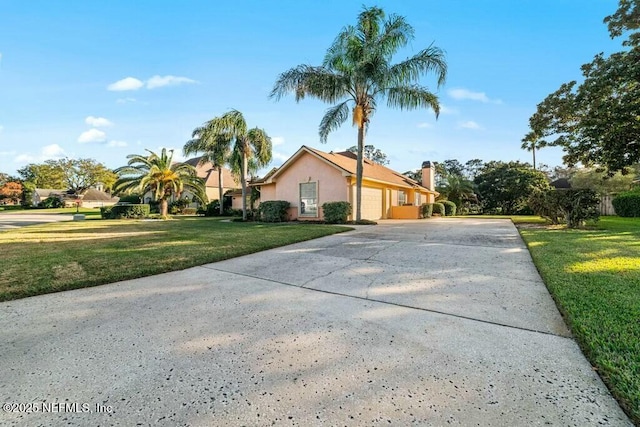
(312, 177)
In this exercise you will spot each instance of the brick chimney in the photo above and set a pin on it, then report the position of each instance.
(428, 175)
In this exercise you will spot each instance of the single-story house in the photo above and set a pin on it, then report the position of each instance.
(312, 177)
(91, 198)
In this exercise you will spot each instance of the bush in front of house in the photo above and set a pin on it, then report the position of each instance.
(449, 208)
(627, 204)
(438, 208)
(336, 212)
(273, 211)
(426, 210)
(574, 206)
(130, 198)
(125, 211)
(178, 206)
(51, 202)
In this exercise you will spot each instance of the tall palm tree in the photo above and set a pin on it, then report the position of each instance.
(215, 149)
(250, 148)
(357, 72)
(531, 142)
(159, 175)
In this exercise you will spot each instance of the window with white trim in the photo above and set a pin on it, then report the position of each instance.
(402, 197)
(309, 199)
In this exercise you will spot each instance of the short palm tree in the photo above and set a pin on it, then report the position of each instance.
(159, 175)
(457, 189)
(357, 72)
(250, 149)
(531, 142)
(215, 149)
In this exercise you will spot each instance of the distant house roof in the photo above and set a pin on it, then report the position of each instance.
(209, 173)
(561, 183)
(43, 193)
(346, 162)
(99, 196)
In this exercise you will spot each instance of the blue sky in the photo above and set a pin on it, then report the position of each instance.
(107, 79)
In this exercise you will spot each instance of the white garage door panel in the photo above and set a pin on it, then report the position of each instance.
(371, 207)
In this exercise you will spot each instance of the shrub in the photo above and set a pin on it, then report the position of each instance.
(131, 198)
(427, 210)
(449, 208)
(438, 208)
(365, 222)
(178, 206)
(189, 211)
(627, 204)
(336, 212)
(274, 211)
(574, 206)
(212, 208)
(125, 211)
(51, 202)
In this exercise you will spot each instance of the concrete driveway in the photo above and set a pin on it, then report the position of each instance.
(426, 322)
(9, 220)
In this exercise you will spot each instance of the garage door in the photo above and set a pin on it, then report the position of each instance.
(371, 207)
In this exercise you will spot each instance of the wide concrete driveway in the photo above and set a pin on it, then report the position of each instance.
(426, 322)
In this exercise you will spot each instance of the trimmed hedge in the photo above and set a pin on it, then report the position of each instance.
(336, 212)
(627, 204)
(438, 208)
(427, 210)
(575, 206)
(125, 211)
(449, 208)
(274, 211)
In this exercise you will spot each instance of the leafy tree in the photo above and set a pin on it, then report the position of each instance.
(215, 149)
(44, 175)
(600, 182)
(472, 168)
(160, 176)
(596, 122)
(250, 149)
(357, 73)
(372, 153)
(453, 167)
(505, 187)
(76, 175)
(415, 175)
(11, 190)
(456, 189)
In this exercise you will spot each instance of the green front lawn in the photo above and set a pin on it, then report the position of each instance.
(594, 277)
(93, 213)
(68, 255)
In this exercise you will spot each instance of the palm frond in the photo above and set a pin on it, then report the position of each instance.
(431, 59)
(333, 118)
(412, 97)
(317, 82)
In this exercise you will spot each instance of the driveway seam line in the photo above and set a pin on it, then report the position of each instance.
(459, 316)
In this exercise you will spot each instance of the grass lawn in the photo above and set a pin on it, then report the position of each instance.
(91, 213)
(68, 255)
(594, 277)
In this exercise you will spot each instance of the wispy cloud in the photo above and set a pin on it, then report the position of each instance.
(98, 121)
(280, 156)
(277, 140)
(92, 135)
(114, 143)
(125, 100)
(132, 83)
(424, 125)
(447, 110)
(160, 81)
(470, 124)
(48, 152)
(462, 94)
(128, 83)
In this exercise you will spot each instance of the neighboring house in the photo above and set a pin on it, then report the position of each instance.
(312, 177)
(91, 198)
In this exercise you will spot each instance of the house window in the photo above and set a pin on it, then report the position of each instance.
(309, 199)
(402, 197)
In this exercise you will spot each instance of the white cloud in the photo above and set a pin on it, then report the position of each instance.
(470, 124)
(7, 153)
(424, 125)
(125, 100)
(447, 110)
(128, 83)
(92, 135)
(160, 81)
(461, 94)
(97, 121)
(277, 140)
(279, 156)
(114, 143)
(53, 151)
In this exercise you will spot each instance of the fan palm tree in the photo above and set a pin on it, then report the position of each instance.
(161, 176)
(357, 72)
(531, 142)
(250, 149)
(215, 149)
(457, 189)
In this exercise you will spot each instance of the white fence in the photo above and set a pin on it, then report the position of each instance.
(606, 208)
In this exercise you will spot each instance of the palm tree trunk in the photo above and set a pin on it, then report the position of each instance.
(220, 190)
(164, 207)
(359, 171)
(244, 187)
